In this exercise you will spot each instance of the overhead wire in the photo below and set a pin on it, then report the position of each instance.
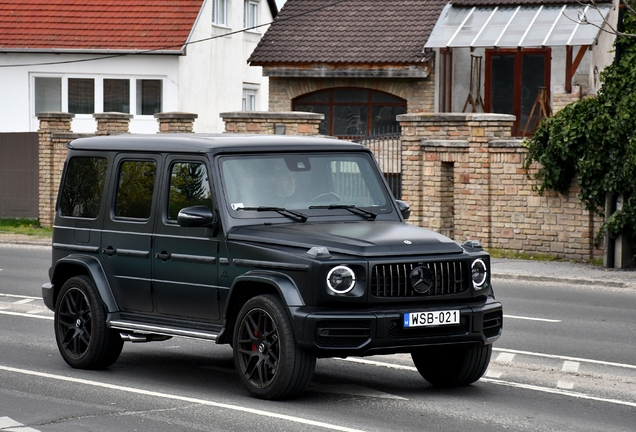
(150, 51)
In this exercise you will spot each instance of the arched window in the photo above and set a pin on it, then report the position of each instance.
(352, 112)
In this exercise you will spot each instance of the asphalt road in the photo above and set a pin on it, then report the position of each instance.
(566, 362)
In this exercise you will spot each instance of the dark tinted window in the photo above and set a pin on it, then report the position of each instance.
(83, 187)
(134, 189)
(117, 95)
(189, 186)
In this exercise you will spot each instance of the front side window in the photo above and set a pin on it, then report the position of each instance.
(219, 12)
(307, 183)
(83, 187)
(251, 14)
(135, 187)
(81, 95)
(117, 95)
(189, 186)
(48, 94)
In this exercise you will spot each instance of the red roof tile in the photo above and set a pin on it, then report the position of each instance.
(96, 24)
(353, 31)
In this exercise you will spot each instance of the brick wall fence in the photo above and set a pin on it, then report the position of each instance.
(281, 122)
(463, 176)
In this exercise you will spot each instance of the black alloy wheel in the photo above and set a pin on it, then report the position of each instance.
(82, 336)
(269, 361)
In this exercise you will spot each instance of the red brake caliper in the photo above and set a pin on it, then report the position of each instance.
(254, 345)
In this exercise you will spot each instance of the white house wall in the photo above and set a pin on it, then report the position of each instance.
(215, 71)
(17, 109)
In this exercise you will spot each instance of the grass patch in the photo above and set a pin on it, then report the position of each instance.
(501, 253)
(29, 227)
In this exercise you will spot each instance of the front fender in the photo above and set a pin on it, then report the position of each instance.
(283, 284)
(73, 265)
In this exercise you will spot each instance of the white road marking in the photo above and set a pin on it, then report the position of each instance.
(24, 301)
(565, 385)
(532, 319)
(576, 359)
(512, 384)
(25, 315)
(20, 296)
(376, 363)
(505, 357)
(181, 398)
(493, 374)
(352, 390)
(9, 425)
(570, 366)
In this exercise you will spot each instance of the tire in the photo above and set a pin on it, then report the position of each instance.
(80, 327)
(452, 366)
(269, 361)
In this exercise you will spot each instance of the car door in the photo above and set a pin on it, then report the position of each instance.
(127, 230)
(185, 258)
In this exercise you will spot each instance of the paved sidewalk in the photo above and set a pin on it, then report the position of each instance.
(528, 270)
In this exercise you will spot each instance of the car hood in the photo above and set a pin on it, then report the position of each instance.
(372, 238)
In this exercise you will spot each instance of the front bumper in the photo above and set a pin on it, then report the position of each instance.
(356, 333)
(47, 296)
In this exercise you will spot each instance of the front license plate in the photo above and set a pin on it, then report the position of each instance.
(437, 318)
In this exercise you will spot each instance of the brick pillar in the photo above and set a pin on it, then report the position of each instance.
(176, 122)
(52, 153)
(112, 123)
(445, 170)
(279, 122)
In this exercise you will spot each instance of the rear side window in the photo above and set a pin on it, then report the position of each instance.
(135, 186)
(83, 187)
(189, 186)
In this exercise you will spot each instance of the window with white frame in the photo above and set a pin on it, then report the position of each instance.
(219, 12)
(79, 95)
(250, 91)
(251, 14)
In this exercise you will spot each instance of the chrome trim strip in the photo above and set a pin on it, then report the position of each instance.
(132, 253)
(270, 265)
(78, 248)
(125, 325)
(193, 258)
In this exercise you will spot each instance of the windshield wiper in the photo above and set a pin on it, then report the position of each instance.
(281, 210)
(352, 208)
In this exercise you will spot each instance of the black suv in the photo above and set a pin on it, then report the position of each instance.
(287, 248)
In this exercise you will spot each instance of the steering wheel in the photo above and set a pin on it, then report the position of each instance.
(326, 194)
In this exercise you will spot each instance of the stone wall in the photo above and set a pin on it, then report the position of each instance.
(560, 98)
(282, 123)
(463, 177)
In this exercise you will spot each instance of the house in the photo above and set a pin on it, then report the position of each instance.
(362, 62)
(132, 56)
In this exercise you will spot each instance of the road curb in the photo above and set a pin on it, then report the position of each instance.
(571, 281)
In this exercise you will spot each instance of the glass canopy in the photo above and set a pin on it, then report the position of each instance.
(521, 26)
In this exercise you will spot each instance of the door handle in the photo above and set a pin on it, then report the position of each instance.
(163, 256)
(109, 251)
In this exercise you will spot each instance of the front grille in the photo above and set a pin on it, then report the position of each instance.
(493, 323)
(392, 280)
(342, 333)
(396, 331)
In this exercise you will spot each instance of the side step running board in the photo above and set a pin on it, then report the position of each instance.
(146, 329)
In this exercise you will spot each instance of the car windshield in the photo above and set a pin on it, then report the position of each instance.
(309, 183)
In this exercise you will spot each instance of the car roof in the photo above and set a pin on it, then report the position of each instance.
(211, 143)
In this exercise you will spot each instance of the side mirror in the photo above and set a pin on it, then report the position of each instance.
(197, 216)
(404, 208)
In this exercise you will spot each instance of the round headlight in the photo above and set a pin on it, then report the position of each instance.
(341, 279)
(479, 274)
